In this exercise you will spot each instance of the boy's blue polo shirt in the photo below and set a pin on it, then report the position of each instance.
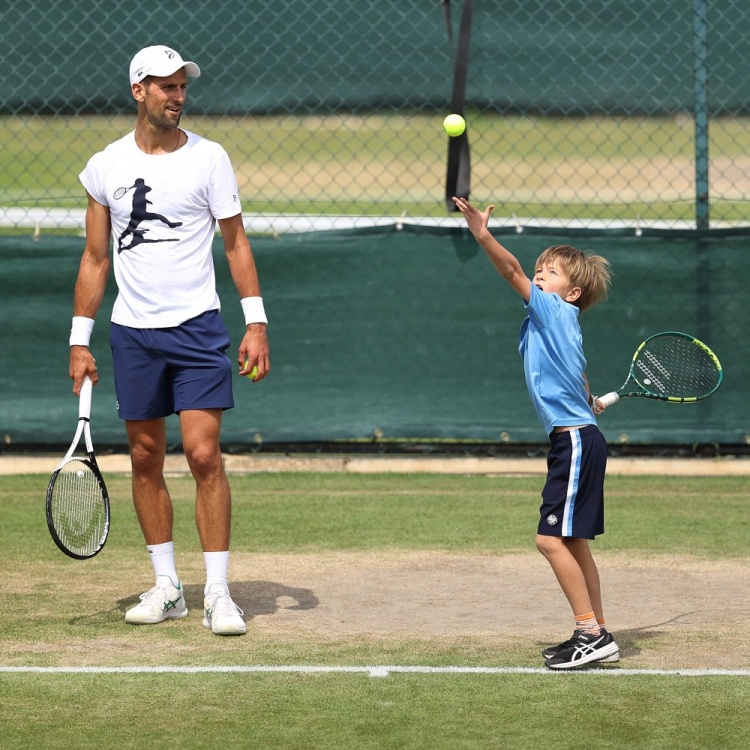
(552, 351)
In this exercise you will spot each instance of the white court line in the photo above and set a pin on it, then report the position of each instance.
(378, 671)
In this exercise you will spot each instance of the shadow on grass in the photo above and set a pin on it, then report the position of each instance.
(631, 640)
(253, 597)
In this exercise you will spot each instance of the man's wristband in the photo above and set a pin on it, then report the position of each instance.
(252, 308)
(80, 331)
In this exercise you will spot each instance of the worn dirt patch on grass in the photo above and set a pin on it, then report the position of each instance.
(665, 612)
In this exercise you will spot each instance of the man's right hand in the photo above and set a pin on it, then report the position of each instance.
(82, 363)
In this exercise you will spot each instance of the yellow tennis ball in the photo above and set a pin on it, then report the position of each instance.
(253, 373)
(454, 125)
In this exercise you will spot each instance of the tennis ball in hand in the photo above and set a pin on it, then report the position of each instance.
(253, 373)
(454, 125)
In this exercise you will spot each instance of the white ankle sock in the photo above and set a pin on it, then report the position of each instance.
(217, 569)
(162, 558)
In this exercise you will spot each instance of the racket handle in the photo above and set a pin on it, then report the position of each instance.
(609, 398)
(84, 399)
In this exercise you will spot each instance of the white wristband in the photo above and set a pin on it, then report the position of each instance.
(80, 331)
(252, 307)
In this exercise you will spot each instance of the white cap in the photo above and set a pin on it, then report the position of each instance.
(159, 61)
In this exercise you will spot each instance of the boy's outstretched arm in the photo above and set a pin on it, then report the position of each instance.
(506, 263)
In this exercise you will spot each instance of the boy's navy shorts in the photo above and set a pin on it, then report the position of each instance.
(162, 371)
(573, 497)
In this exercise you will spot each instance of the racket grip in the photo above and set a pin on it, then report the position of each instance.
(609, 398)
(84, 399)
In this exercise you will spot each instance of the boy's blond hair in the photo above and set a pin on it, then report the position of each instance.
(587, 271)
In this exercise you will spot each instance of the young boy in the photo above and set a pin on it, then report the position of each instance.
(566, 282)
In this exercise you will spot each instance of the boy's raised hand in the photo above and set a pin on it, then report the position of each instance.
(476, 220)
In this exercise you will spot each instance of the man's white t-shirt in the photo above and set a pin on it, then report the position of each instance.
(163, 225)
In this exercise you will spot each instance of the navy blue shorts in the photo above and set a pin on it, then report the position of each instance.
(162, 371)
(573, 497)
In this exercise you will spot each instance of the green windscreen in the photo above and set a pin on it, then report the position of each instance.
(387, 334)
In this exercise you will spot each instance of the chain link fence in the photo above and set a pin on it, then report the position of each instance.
(603, 113)
(619, 125)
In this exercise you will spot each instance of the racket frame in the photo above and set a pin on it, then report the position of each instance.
(610, 398)
(83, 428)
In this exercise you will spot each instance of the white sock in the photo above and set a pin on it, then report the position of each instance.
(217, 569)
(162, 558)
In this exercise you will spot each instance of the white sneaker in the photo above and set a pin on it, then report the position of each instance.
(163, 602)
(221, 614)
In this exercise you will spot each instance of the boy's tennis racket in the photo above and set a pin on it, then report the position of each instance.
(670, 366)
(77, 498)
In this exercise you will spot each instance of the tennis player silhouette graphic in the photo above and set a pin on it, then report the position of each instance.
(139, 214)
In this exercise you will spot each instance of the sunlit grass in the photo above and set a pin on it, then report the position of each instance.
(608, 168)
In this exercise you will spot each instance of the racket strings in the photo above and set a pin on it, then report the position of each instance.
(676, 366)
(78, 509)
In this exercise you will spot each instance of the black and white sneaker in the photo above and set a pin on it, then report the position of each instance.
(551, 651)
(584, 649)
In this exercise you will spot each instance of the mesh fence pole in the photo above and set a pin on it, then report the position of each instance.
(700, 54)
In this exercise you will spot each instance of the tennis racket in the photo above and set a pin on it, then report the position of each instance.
(670, 366)
(77, 498)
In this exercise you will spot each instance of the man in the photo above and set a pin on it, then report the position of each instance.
(168, 339)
